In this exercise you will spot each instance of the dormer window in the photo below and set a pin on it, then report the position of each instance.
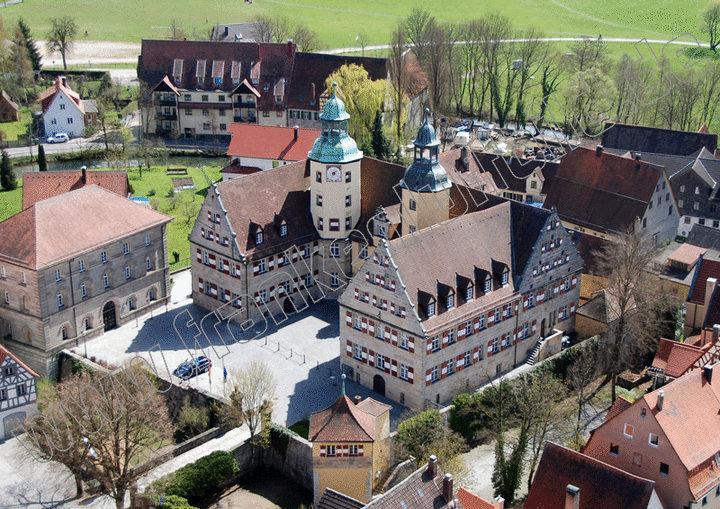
(487, 287)
(450, 301)
(504, 278)
(258, 237)
(430, 309)
(469, 293)
(283, 230)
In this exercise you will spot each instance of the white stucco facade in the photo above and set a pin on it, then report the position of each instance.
(63, 115)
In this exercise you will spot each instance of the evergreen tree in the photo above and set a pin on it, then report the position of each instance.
(380, 143)
(42, 160)
(30, 45)
(7, 175)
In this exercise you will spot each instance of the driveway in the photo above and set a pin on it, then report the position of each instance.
(303, 352)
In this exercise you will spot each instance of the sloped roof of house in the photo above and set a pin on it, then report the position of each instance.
(5, 353)
(687, 254)
(469, 500)
(41, 185)
(343, 421)
(468, 173)
(307, 82)
(332, 499)
(656, 140)
(9, 101)
(603, 192)
(676, 358)
(706, 268)
(270, 142)
(420, 490)
(236, 168)
(511, 173)
(704, 236)
(46, 97)
(91, 217)
(601, 485)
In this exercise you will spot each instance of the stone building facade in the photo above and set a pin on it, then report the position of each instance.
(56, 293)
(446, 309)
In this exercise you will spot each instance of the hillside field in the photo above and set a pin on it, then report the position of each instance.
(338, 22)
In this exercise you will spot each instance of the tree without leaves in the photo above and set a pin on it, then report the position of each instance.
(7, 173)
(632, 79)
(581, 374)
(119, 417)
(711, 24)
(30, 45)
(362, 39)
(532, 53)
(587, 53)
(636, 303)
(175, 31)
(62, 36)
(398, 79)
(305, 38)
(496, 30)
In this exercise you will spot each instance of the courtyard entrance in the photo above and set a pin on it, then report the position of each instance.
(379, 385)
(109, 318)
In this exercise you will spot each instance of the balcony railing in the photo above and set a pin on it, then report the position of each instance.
(244, 104)
(166, 116)
(166, 102)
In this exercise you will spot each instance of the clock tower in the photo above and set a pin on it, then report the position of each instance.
(335, 173)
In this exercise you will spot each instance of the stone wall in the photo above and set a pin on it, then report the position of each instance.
(297, 464)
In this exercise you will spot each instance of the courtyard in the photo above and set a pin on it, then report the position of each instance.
(303, 351)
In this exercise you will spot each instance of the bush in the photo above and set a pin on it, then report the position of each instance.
(425, 434)
(302, 428)
(151, 192)
(192, 421)
(201, 480)
(171, 502)
(471, 417)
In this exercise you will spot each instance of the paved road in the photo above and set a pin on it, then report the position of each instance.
(74, 145)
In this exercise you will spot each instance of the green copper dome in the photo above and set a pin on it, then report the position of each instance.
(426, 174)
(334, 144)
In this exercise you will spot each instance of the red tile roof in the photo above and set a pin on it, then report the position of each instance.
(270, 142)
(687, 254)
(343, 421)
(71, 223)
(605, 192)
(46, 97)
(618, 407)
(601, 485)
(676, 358)
(5, 353)
(469, 500)
(41, 185)
(706, 269)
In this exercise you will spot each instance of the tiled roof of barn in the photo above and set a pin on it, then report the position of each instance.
(656, 140)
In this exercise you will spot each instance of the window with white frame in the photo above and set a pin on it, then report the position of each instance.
(262, 266)
(467, 359)
(21, 389)
(628, 430)
(404, 340)
(653, 440)
(258, 237)
(380, 361)
(103, 257)
(126, 248)
(469, 293)
(309, 280)
(451, 336)
(106, 281)
(58, 275)
(403, 372)
(330, 450)
(434, 374)
(283, 230)
(147, 239)
(3, 394)
(148, 263)
(468, 328)
(81, 265)
(334, 280)
(435, 344)
(262, 294)
(357, 351)
(504, 278)
(488, 285)
(451, 368)
(430, 308)
(334, 250)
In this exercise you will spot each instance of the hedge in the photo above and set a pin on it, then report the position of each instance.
(200, 481)
(171, 502)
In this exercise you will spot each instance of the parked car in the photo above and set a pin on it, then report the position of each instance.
(58, 138)
(193, 367)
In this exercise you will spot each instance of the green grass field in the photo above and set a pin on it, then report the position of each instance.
(337, 22)
(12, 130)
(154, 179)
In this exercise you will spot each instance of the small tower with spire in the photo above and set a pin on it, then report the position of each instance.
(425, 186)
(335, 173)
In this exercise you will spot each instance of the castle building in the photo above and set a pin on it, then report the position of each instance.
(350, 446)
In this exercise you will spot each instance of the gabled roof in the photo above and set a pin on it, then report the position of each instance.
(706, 268)
(469, 500)
(307, 82)
(420, 490)
(91, 217)
(236, 168)
(41, 185)
(5, 353)
(656, 140)
(270, 142)
(46, 97)
(343, 421)
(601, 485)
(511, 173)
(9, 101)
(603, 192)
(468, 173)
(675, 358)
(704, 236)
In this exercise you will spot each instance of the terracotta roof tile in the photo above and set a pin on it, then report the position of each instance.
(618, 407)
(343, 421)
(601, 485)
(676, 358)
(608, 192)
(41, 185)
(45, 98)
(706, 268)
(71, 223)
(469, 500)
(470, 173)
(270, 142)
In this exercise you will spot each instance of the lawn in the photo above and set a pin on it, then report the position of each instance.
(13, 130)
(155, 184)
(337, 21)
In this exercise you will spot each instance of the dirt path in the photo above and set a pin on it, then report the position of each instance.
(94, 53)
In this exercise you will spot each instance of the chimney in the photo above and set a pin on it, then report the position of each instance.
(599, 150)
(572, 497)
(358, 399)
(716, 333)
(707, 373)
(290, 47)
(638, 156)
(499, 503)
(448, 487)
(226, 32)
(83, 176)
(465, 158)
(709, 289)
(296, 130)
(63, 80)
(660, 400)
(432, 466)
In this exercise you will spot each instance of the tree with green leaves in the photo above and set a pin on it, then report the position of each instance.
(425, 434)
(380, 143)
(30, 45)
(61, 36)
(42, 158)
(7, 174)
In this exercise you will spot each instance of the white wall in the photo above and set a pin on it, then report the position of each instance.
(64, 116)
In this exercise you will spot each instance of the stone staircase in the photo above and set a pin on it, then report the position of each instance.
(532, 357)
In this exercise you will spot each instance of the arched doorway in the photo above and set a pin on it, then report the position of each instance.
(109, 318)
(379, 385)
(288, 306)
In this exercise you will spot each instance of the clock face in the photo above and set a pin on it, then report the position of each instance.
(333, 174)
